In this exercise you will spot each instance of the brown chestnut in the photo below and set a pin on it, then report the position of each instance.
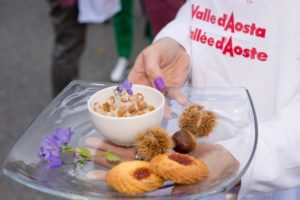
(185, 141)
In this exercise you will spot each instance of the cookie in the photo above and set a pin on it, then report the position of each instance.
(179, 168)
(133, 177)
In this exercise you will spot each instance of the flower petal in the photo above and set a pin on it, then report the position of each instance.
(129, 91)
(125, 85)
(54, 162)
(41, 152)
(63, 135)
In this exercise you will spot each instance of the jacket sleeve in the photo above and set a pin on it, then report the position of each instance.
(276, 163)
(179, 28)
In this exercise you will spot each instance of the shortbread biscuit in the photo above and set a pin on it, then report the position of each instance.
(179, 168)
(133, 177)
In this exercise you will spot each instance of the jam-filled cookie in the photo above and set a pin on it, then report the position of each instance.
(180, 168)
(133, 177)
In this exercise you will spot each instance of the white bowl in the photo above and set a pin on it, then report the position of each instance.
(123, 130)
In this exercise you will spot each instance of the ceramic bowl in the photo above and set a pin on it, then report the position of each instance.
(123, 130)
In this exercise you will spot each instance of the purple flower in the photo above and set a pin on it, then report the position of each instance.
(54, 162)
(127, 86)
(63, 135)
(51, 146)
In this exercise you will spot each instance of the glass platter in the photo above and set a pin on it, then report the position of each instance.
(236, 120)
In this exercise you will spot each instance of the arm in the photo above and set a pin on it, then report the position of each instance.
(179, 28)
(276, 163)
(167, 56)
(277, 152)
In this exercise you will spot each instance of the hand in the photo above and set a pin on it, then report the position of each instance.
(98, 148)
(167, 59)
(220, 162)
(221, 165)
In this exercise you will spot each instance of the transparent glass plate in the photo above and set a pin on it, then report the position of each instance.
(236, 120)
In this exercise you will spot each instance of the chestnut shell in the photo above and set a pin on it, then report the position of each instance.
(184, 141)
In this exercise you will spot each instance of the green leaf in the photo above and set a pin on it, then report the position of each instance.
(84, 152)
(110, 156)
(69, 149)
(82, 162)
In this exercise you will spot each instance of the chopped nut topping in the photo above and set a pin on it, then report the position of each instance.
(140, 96)
(124, 106)
(151, 107)
(131, 109)
(106, 107)
(141, 105)
(121, 112)
(140, 112)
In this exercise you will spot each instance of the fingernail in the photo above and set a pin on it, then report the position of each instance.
(160, 84)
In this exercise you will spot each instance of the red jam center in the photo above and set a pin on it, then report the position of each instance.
(141, 173)
(181, 159)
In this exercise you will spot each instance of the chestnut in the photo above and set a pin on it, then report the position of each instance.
(184, 141)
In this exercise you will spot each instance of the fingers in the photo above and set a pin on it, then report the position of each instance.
(162, 65)
(168, 113)
(178, 96)
(208, 154)
(96, 175)
(146, 68)
(137, 74)
(93, 142)
(101, 145)
(100, 159)
(151, 60)
(176, 72)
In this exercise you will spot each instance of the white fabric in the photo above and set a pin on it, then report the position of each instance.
(119, 70)
(97, 11)
(265, 58)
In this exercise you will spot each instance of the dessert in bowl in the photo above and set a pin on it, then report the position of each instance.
(119, 116)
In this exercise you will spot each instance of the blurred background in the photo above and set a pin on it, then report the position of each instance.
(26, 45)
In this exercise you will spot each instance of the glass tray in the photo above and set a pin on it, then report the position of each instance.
(236, 120)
